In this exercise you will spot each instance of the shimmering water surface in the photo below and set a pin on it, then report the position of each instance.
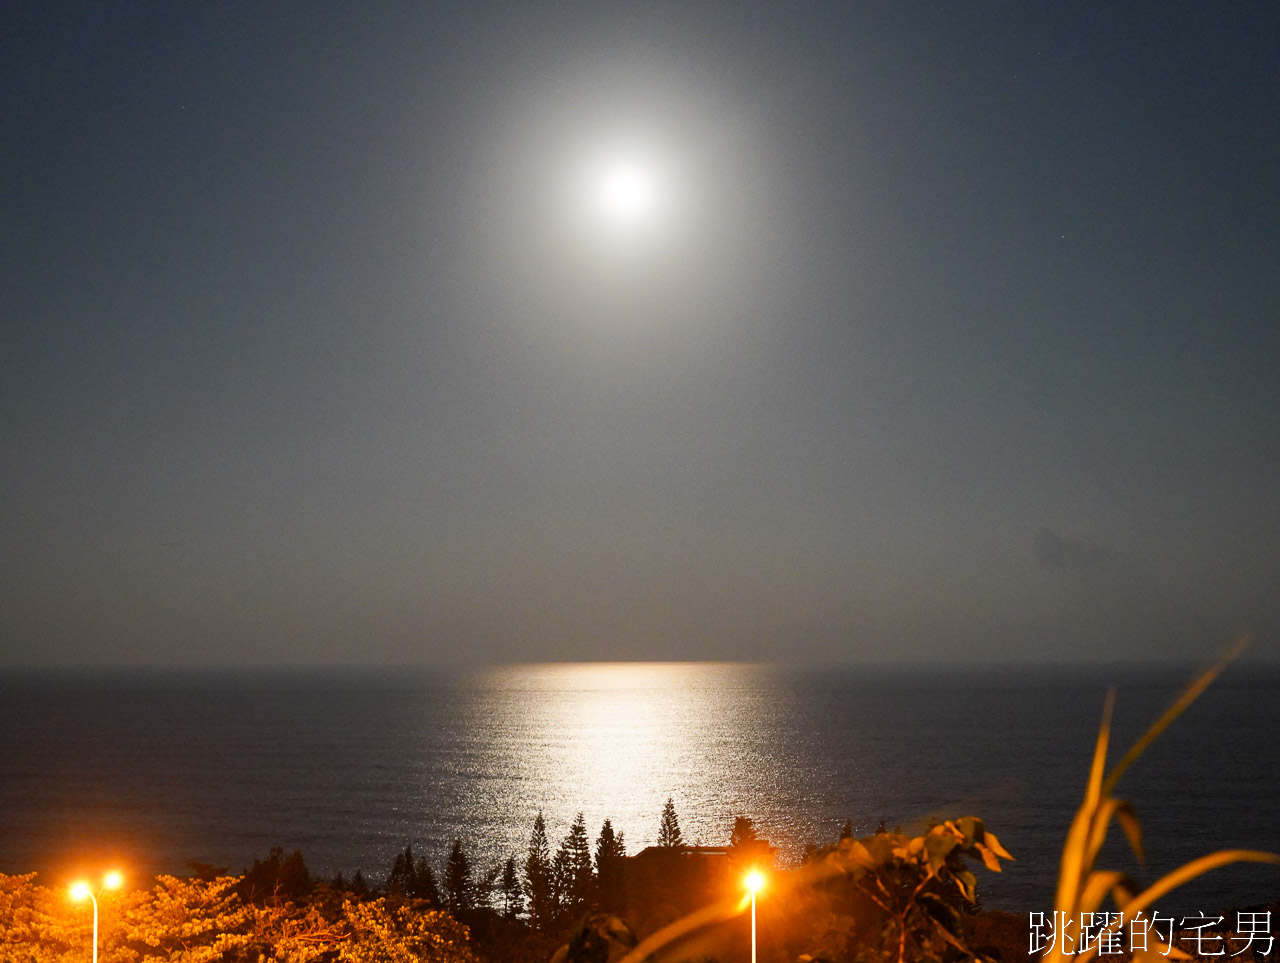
(155, 770)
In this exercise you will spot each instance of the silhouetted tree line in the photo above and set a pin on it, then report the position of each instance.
(518, 909)
(575, 903)
(546, 889)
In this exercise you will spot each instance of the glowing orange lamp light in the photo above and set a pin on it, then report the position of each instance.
(81, 890)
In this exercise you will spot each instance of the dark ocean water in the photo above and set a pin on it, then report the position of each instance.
(153, 770)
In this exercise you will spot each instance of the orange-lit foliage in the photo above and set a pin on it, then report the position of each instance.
(906, 894)
(887, 896)
(206, 921)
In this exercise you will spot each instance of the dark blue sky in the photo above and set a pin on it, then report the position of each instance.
(958, 336)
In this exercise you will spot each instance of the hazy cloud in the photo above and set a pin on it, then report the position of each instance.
(1070, 554)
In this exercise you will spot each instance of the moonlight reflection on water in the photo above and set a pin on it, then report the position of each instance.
(155, 770)
(615, 740)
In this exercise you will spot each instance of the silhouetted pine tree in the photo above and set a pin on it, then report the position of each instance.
(459, 890)
(413, 880)
(486, 886)
(846, 831)
(509, 884)
(537, 877)
(611, 850)
(423, 884)
(400, 879)
(560, 880)
(277, 879)
(572, 870)
(358, 885)
(745, 845)
(669, 829)
(743, 832)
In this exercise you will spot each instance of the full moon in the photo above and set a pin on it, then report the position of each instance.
(626, 191)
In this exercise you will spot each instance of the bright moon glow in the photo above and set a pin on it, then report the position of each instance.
(626, 191)
(754, 881)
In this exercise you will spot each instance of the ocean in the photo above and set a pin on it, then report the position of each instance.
(152, 770)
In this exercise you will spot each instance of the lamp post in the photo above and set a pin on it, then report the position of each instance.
(82, 889)
(754, 884)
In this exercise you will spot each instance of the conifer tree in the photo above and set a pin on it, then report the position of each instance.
(560, 881)
(359, 887)
(512, 897)
(846, 831)
(400, 879)
(459, 890)
(423, 884)
(609, 846)
(396, 878)
(571, 871)
(537, 876)
(611, 850)
(487, 885)
(743, 832)
(745, 844)
(277, 879)
(669, 829)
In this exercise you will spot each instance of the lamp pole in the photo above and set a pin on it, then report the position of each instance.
(753, 927)
(82, 889)
(754, 881)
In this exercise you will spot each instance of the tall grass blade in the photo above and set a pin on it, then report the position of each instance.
(1096, 888)
(1100, 823)
(1189, 694)
(1081, 888)
(673, 932)
(1132, 830)
(1096, 789)
(1197, 867)
(1074, 850)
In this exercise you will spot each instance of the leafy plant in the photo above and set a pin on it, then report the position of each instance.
(920, 884)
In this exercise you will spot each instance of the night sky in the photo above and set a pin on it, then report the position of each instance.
(950, 331)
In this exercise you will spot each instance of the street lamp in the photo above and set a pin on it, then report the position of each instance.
(754, 884)
(81, 889)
